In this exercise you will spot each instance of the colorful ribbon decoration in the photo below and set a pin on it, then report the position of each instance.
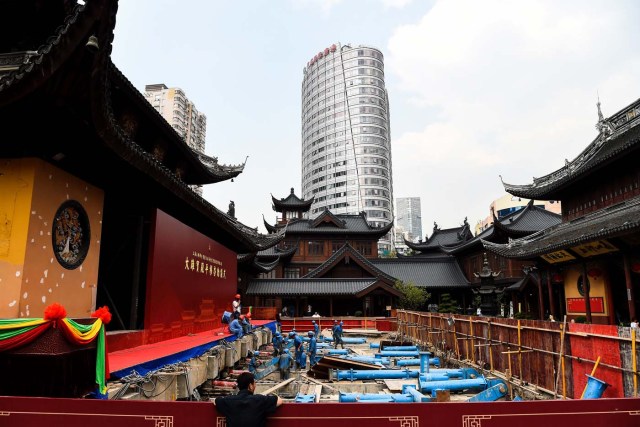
(15, 333)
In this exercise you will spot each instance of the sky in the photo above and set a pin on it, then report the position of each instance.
(477, 89)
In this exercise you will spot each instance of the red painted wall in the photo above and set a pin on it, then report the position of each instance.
(191, 280)
(590, 348)
(38, 412)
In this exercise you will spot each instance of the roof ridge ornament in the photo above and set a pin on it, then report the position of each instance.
(604, 126)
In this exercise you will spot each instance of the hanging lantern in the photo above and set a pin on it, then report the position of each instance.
(594, 272)
(556, 278)
(635, 267)
(333, 48)
(320, 54)
(326, 51)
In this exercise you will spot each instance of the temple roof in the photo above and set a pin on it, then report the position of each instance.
(429, 273)
(348, 252)
(619, 135)
(291, 203)
(443, 238)
(330, 223)
(614, 221)
(66, 61)
(522, 222)
(312, 287)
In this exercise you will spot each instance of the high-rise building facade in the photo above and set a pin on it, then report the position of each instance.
(409, 217)
(346, 146)
(180, 112)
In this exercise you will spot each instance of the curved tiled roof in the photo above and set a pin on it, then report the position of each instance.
(523, 222)
(613, 221)
(352, 224)
(311, 287)
(429, 273)
(291, 203)
(442, 238)
(620, 134)
(348, 250)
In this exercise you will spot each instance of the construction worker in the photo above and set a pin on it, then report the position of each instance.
(277, 341)
(236, 328)
(246, 323)
(253, 362)
(337, 335)
(312, 349)
(300, 358)
(316, 328)
(285, 364)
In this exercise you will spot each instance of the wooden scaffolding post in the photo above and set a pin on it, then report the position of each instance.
(455, 339)
(520, 352)
(490, 346)
(559, 371)
(634, 362)
(473, 344)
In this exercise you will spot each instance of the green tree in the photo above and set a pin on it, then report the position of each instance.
(412, 297)
(447, 304)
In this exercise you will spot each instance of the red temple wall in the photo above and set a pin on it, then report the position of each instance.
(37, 412)
(191, 280)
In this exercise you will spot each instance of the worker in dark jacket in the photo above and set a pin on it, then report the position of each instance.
(337, 335)
(277, 341)
(300, 357)
(316, 328)
(246, 409)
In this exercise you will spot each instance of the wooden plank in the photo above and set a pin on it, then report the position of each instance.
(278, 386)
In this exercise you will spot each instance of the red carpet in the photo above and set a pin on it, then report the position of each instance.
(149, 357)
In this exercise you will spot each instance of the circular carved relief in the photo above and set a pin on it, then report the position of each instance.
(71, 234)
(581, 285)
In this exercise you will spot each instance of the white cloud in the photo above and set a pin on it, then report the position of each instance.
(399, 4)
(514, 86)
(325, 5)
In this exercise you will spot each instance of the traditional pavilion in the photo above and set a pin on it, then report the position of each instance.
(507, 275)
(593, 254)
(95, 196)
(331, 263)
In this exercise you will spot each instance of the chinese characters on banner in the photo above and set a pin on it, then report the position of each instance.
(203, 264)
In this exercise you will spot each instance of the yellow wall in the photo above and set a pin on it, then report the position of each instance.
(16, 188)
(42, 280)
(597, 286)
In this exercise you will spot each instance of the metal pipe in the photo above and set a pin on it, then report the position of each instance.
(374, 345)
(397, 353)
(434, 377)
(424, 362)
(348, 340)
(417, 396)
(337, 351)
(432, 386)
(401, 348)
(305, 398)
(375, 398)
(435, 361)
(367, 359)
(491, 394)
(381, 374)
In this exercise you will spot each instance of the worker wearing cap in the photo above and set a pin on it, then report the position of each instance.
(253, 362)
(277, 341)
(311, 352)
(235, 327)
(285, 364)
(237, 307)
(246, 323)
(316, 328)
(337, 335)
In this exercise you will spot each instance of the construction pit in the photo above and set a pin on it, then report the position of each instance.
(373, 367)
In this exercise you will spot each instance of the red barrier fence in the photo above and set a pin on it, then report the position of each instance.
(38, 412)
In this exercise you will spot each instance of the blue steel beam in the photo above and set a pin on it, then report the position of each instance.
(381, 374)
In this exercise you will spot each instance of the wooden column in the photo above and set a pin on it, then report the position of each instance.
(587, 299)
(627, 279)
(540, 299)
(330, 306)
(552, 306)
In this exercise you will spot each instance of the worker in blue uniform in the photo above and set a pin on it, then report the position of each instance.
(316, 328)
(299, 354)
(253, 362)
(277, 341)
(312, 349)
(246, 323)
(235, 328)
(285, 364)
(337, 335)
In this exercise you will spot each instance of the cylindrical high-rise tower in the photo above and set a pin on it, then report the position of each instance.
(346, 150)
